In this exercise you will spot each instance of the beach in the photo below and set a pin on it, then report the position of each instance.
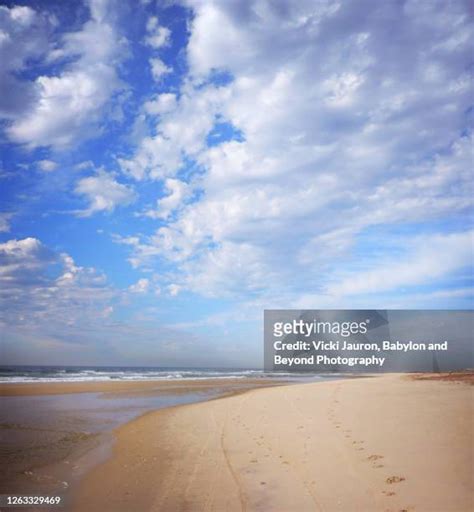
(386, 443)
(52, 433)
(129, 387)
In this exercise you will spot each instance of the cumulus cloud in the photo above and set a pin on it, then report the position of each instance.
(103, 193)
(69, 106)
(161, 104)
(145, 286)
(157, 35)
(54, 311)
(177, 191)
(24, 35)
(39, 286)
(5, 221)
(158, 68)
(351, 118)
(141, 286)
(47, 165)
(180, 134)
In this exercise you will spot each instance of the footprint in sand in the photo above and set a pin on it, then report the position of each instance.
(395, 479)
(388, 493)
(374, 457)
(378, 466)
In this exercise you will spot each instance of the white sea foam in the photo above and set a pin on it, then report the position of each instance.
(64, 374)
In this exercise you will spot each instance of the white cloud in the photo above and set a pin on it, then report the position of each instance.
(181, 132)
(158, 68)
(28, 253)
(145, 285)
(177, 192)
(427, 259)
(41, 289)
(5, 221)
(47, 165)
(24, 35)
(103, 192)
(126, 240)
(70, 105)
(87, 164)
(343, 130)
(162, 104)
(141, 286)
(174, 289)
(156, 158)
(157, 35)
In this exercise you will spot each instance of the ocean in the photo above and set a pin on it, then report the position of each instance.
(129, 373)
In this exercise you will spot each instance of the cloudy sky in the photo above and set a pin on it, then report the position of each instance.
(171, 168)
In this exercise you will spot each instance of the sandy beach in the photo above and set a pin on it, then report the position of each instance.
(130, 387)
(388, 443)
(51, 433)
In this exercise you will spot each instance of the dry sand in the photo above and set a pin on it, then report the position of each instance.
(388, 443)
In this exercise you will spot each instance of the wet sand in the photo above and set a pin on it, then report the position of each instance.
(389, 443)
(122, 386)
(51, 433)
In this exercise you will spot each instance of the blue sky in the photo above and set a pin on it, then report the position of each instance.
(170, 169)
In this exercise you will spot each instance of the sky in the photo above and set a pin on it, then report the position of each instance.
(170, 169)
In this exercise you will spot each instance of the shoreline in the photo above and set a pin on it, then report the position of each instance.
(129, 386)
(391, 442)
(54, 433)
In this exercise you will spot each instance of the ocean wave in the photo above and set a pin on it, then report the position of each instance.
(99, 375)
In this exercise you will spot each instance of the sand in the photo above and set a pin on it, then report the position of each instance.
(129, 387)
(388, 443)
(45, 446)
